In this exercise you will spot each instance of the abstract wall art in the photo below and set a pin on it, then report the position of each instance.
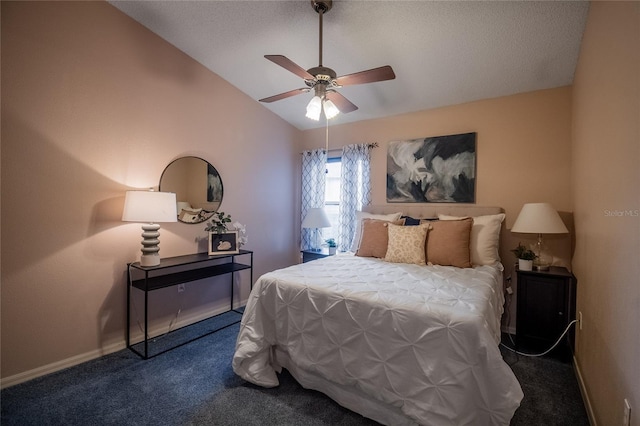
(439, 169)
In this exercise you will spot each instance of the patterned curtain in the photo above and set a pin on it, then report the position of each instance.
(355, 190)
(314, 168)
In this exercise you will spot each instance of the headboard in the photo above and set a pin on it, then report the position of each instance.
(433, 210)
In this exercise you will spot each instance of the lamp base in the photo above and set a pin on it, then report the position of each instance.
(150, 260)
(150, 241)
(540, 267)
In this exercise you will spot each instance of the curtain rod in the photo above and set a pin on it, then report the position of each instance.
(370, 145)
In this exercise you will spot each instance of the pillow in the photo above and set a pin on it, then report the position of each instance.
(363, 215)
(410, 221)
(485, 237)
(448, 243)
(406, 244)
(190, 216)
(375, 237)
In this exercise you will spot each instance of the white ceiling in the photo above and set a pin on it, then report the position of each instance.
(442, 52)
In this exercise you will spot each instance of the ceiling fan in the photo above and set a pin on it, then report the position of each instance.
(324, 81)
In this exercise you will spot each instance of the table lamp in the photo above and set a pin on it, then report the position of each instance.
(316, 218)
(539, 218)
(150, 207)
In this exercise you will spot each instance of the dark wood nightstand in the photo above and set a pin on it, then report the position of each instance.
(546, 304)
(309, 255)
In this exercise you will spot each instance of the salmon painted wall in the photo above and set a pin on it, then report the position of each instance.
(94, 104)
(606, 182)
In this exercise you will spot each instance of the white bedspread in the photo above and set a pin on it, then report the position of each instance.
(417, 343)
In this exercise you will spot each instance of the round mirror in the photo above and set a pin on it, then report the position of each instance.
(197, 186)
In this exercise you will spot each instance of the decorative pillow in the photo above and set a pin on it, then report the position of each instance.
(375, 237)
(448, 243)
(363, 215)
(406, 244)
(485, 237)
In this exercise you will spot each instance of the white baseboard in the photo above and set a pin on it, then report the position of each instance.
(60, 365)
(91, 355)
(585, 395)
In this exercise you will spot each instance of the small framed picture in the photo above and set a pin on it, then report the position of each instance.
(225, 243)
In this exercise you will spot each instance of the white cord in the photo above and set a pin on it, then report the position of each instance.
(548, 350)
(508, 296)
(133, 302)
(173, 321)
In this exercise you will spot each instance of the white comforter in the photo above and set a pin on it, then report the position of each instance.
(395, 342)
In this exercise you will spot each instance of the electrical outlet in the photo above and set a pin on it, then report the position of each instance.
(180, 288)
(626, 420)
(580, 320)
(509, 290)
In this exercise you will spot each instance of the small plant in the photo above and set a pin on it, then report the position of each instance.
(218, 223)
(524, 253)
(331, 242)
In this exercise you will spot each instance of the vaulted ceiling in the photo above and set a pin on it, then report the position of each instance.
(442, 52)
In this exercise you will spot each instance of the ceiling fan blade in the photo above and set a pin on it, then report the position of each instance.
(368, 76)
(285, 95)
(289, 65)
(343, 104)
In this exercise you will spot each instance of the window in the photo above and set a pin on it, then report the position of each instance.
(332, 196)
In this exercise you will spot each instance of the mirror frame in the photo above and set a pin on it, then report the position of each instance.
(202, 211)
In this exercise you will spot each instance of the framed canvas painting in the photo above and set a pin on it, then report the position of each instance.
(439, 169)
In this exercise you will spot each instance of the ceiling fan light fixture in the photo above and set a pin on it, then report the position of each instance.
(314, 108)
(323, 79)
(330, 110)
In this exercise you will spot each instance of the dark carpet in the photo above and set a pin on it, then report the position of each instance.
(194, 385)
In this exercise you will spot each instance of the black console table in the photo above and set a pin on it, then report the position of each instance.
(172, 272)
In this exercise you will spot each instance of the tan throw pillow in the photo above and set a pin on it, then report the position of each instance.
(364, 215)
(448, 243)
(485, 237)
(375, 238)
(406, 244)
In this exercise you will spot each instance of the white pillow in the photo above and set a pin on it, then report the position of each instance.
(485, 237)
(355, 245)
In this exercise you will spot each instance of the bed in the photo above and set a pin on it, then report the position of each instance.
(399, 342)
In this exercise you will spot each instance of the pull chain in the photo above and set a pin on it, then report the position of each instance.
(326, 141)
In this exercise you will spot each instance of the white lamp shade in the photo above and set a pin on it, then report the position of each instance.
(316, 218)
(539, 218)
(150, 207)
(330, 110)
(314, 107)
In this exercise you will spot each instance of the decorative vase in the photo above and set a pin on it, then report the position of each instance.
(332, 250)
(525, 265)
